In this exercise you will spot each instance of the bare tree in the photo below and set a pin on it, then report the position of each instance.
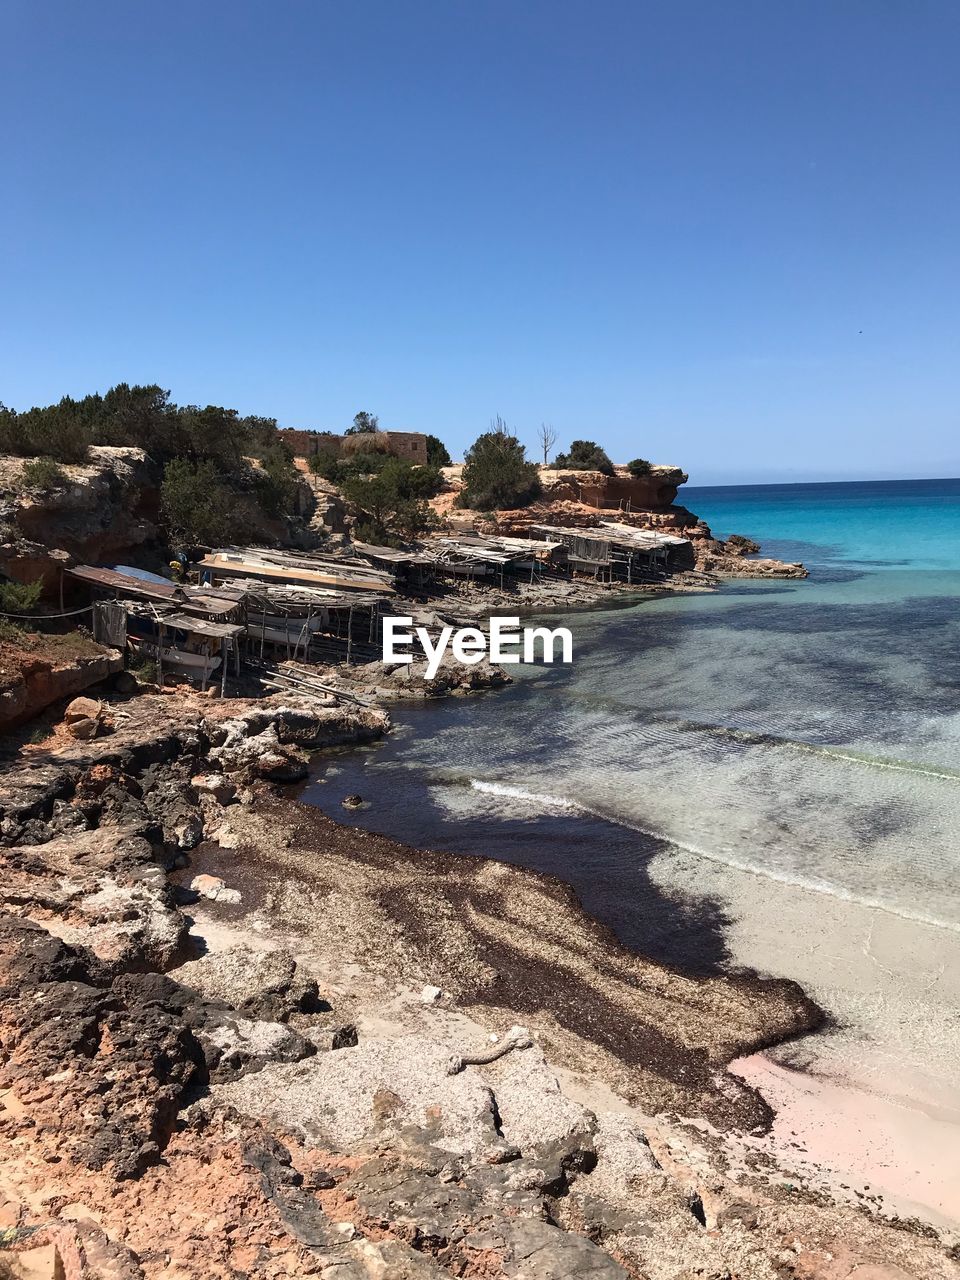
(547, 437)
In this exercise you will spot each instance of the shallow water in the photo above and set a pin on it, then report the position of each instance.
(795, 733)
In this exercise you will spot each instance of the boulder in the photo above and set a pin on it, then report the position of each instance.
(262, 984)
(41, 1263)
(216, 785)
(83, 709)
(283, 765)
(214, 888)
(84, 729)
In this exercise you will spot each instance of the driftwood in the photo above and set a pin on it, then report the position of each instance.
(516, 1038)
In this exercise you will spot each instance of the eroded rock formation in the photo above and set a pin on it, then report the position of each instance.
(107, 506)
(36, 670)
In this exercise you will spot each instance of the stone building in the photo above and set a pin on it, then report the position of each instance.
(411, 445)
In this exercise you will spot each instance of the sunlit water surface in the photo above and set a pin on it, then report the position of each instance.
(806, 733)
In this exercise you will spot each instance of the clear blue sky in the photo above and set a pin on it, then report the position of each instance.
(711, 232)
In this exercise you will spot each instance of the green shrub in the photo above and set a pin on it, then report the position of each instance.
(392, 501)
(339, 470)
(12, 634)
(141, 417)
(60, 431)
(496, 474)
(9, 430)
(43, 473)
(585, 455)
(277, 483)
(363, 423)
(639, 467)
(437, 453)
(198, 505)
(146, 670)
(20, 597)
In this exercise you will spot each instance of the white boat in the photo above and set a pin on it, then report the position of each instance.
(173, 659)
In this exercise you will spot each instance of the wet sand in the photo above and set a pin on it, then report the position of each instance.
(873, 1098)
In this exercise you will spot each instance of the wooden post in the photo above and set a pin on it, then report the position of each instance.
(224, 655)
(349, 633)
(160, 653)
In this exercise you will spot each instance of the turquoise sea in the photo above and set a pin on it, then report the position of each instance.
(872, 524)
(803, 733)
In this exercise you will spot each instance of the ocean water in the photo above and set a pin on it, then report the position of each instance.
(801, 733)
(871, 524)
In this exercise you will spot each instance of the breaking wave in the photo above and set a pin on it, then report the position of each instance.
(545, 802)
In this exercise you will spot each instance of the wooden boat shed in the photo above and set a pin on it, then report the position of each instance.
(312, 623)
(188, 632)
(487, 556)
(304, 604)
(412, 569)
(614, 551)
(291, 568)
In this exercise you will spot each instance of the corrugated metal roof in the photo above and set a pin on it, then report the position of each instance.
(610, 532)
(644, 537)
(202, 600)
(493, 549)
(262, 595)
(100, 577)
(391, 554)
(312, 560)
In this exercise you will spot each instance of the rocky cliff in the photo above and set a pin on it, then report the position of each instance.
(655, 491)
(105, 508)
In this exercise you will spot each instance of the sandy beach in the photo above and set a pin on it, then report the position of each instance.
(871, 1102)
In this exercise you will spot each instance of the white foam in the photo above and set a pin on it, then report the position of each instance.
(531, 797)
(807, 883)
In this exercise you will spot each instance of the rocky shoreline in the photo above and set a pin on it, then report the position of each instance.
(237, 1038)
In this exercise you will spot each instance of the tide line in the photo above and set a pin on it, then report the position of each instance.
(509, 791)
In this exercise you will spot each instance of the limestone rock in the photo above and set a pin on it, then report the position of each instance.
(216, 785)
(529, 1248)
(331, 1098)
(264, 984)
(83, 709)
(108, 893)
(122, 1065)
(214, 888)
(83, 729)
